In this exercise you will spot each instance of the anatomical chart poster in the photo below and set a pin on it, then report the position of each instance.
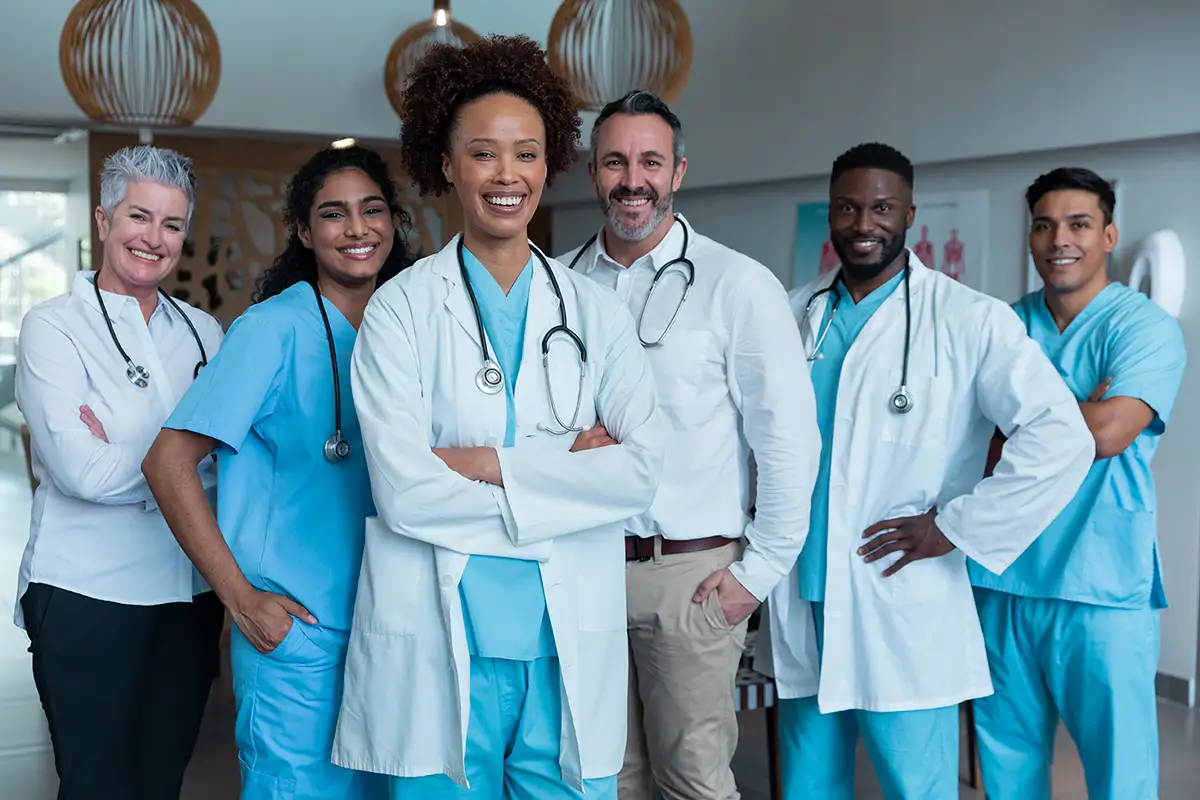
(949, 233)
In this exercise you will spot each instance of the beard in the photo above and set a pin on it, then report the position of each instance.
(890, 249)
(659, 208)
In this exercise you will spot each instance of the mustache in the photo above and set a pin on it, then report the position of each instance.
(623, 192)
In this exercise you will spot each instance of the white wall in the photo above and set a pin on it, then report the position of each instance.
(41, 160)
(777, 87)
(1158, 180)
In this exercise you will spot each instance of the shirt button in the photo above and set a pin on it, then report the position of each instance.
(447, 580)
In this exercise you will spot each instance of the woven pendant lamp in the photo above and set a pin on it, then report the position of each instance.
(140, 63)
(605, 48)
(412, 44)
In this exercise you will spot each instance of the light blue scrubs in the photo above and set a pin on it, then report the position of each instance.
(295, 523)
(915, 753)
(1072, 626)
(515, 720)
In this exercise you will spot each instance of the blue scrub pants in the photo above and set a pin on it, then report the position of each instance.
(512, 739)
(1093, 665)
(915, 753)
(287, 708)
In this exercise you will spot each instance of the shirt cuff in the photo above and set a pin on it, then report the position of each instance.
(756, 574)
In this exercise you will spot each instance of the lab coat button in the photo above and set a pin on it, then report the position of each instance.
(447, 580)
(490, 441)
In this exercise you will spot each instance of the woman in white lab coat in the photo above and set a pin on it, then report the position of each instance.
(488, 653)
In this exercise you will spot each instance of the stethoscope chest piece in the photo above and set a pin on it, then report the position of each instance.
(336, 448)
(489, 379)
(138, 376)
(901, 401)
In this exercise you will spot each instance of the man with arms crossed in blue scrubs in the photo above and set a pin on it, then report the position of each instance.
(1071, 627)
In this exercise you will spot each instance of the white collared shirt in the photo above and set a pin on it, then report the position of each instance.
(95, 528)
(732, 379)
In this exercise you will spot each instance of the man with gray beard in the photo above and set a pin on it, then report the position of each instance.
(730, 372)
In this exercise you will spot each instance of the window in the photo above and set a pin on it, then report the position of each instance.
(37, 258)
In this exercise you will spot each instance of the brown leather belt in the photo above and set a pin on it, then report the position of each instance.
(638, 548)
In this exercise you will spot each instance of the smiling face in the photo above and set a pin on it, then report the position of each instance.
(870, 212)
(635, 175)
(143, 236)
(1070, 241)
(497, 164)
(350, 228)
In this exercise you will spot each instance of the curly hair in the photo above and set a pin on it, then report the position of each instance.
(448, 77)
(298, 263)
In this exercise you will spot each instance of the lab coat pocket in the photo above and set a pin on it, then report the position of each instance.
(919, 581)
(929, 420)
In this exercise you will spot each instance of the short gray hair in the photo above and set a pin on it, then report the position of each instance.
(637, 102)
(145, 163)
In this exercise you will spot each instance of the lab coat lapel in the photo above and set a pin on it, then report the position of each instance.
(541, 316)
(457, 302)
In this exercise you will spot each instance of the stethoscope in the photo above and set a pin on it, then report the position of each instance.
(490, 378)
(682, 260)
(336, 448)
(136, 374)
(901, 401)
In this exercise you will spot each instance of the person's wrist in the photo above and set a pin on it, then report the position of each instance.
(486, 465)
(240, 599)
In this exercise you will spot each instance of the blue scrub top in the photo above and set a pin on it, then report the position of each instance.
(504, 603)
(293, 520)
(826, 373)
(1102, 549)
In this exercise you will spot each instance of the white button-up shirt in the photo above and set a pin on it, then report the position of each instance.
(95, 528)
(731, 379)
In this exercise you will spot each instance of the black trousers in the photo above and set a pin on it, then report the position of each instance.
(123, 687)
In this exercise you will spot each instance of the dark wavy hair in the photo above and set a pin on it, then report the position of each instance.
(448, 77)
(298, 263)
(1065, 178)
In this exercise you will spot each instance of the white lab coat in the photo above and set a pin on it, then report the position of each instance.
(913, 640)
(406, 703)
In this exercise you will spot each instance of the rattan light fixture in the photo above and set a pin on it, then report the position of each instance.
(412, 44)
(142, 63)
(605, 48)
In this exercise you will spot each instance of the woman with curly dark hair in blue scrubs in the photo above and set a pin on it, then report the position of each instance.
(275, 405)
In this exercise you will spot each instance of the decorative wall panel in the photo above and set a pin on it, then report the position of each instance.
(237, 226)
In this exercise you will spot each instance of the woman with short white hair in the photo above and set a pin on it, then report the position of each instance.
(124, 632)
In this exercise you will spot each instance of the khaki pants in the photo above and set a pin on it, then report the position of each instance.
(683, 658)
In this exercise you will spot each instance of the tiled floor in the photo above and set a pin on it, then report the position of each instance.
(27, 770)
